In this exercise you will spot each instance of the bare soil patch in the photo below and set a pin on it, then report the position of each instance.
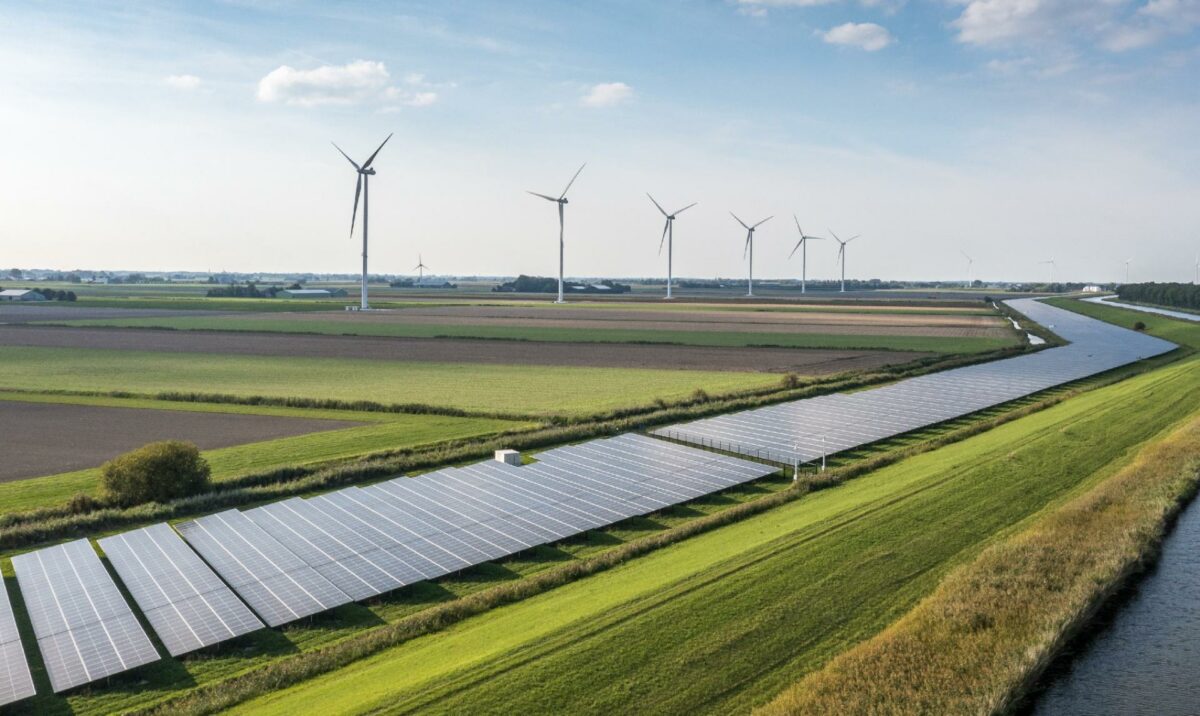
(40, 439)
(455, 350)
(30, 312)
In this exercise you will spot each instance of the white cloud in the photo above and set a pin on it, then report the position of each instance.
(411, 98)
(330, 84)
(607, 94)
(183, 82)
(863, 35)
(1115, 25)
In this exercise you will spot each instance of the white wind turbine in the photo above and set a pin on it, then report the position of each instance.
(561, 201)
(1051, 262)
(1197, 279)
(842, 255)
(802, 244)
(420, 268)
(365, 172)
(970, 268)
(1127, 262)
(749, 248)
(669, 236)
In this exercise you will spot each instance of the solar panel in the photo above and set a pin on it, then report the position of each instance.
(15, 680)
(84, 627)
(276, 584)
(188, 606)
(805, 430)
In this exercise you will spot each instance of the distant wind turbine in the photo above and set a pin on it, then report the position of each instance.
(561, 201)
(365, 172)
(1197, 280)
(668, 236)
(970, 267)
(842, 255)
(749, 248)
(802, 244)
(1127, 262)
(1051, 262)
(420, 268)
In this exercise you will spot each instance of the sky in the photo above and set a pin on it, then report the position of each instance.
(196, 136)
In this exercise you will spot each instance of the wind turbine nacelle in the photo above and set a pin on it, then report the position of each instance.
(564, 200)
(367, 171)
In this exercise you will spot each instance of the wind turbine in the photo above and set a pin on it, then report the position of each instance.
(749, 248)
(1197, 281)
(1127, 262)
(842, 255)
(970, 266)
(802, 244)
(668, 236)
(561, 201)
(420, 268)
(365, 172)
(1051, 262)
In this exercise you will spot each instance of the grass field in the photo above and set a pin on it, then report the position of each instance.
(737, 614)
(865, 341)
(379, 431)
(533, 390)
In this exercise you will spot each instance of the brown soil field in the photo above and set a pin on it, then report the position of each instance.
(30, 312)
(48, 438)
(454, 350)
(953, 326)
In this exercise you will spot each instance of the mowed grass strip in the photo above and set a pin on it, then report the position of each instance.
(729, 339)
(533, 390)
(378, 432)
(976, 643)
(725, 620)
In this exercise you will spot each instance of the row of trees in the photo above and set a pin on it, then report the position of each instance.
(51, 294)
(1177, 295)
(248, 290)
(541, 284)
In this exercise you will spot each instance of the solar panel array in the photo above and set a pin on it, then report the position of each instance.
(84, 628)
(1111, 301)
(276, 584)
(805, 430)
(15, 680)
(360, 542)
(188, 606)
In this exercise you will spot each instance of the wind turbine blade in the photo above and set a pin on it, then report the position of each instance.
(547, 198)
(347, 156)
(835, 236)
(852, 238)
(796, 248)
(677, 213)
(572, 181)
(354, 214)
(663, 240)
(964, 253)
(735, 218)
(762, 222)
(746, 248)
(660, 209)
(371, 158)
(797, 219)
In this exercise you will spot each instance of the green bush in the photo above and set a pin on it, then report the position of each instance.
(158, 472)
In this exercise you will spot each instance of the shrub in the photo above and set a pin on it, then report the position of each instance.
(1139, 326)
(158, 472)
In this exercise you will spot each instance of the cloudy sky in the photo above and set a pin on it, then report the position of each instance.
(196, 135)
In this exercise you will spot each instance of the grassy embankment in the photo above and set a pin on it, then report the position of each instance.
(378, 432)
(736, 614)
(515, 389)
(736, 339)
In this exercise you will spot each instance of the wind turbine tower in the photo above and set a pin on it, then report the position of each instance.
(420, 268)
(1051, 262)
(802, 244)
(749, 248)
(970, 267)
(668, 236)
(562, 202)
(365, 172)
(1127, 262)
(842, 255)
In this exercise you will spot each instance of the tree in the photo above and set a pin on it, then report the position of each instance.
(16, 273)
(157, 472)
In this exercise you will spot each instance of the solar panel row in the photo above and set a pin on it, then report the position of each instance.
(84, 628)
(805, 430)
(360, 542)
(15, 681)
(188, 606)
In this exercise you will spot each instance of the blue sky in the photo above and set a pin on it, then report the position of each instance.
(196, 135)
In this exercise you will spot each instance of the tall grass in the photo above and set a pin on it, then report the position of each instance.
(978, 643)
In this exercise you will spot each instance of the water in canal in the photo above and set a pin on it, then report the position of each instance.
(1144, 658)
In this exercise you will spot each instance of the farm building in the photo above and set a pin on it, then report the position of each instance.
(312, 293)
(21, 294)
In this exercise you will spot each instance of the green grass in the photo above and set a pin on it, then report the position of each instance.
(533, 390)
(928, 344)
(378, 432)
(726, 619)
